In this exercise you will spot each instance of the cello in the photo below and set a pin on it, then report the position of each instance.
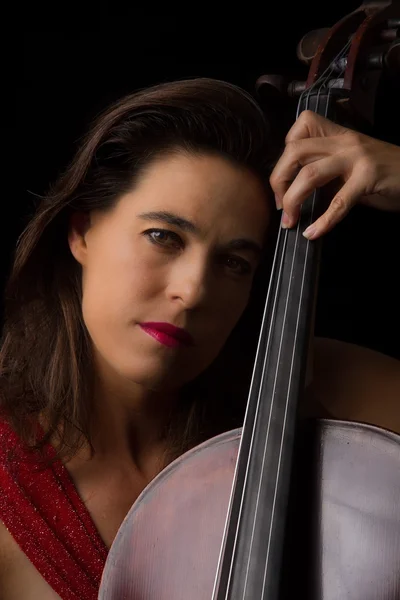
(280, 508)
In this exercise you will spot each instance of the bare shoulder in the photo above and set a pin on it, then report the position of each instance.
(356, 383)
(6, 550)
(18, 577)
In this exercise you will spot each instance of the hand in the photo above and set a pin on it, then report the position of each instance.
(318, 151)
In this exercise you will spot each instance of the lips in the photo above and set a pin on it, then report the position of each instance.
(166, 332)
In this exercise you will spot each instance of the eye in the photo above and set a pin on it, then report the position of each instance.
(236, 264)
(163, 237)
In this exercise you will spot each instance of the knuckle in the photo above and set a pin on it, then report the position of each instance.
(363, 156)
(293, 148)
(356, 141)
(353, 137)
(307, 116)
(367, 166)
(275, 179)
(338, 204)
(310, 172)
(293, 133)
(328, 220)
(306, 120)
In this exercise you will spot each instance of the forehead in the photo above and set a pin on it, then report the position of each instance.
(206, 189)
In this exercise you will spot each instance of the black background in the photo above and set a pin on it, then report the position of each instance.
(60, 80)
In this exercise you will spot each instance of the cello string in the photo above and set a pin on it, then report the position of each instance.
(263, 326)
(280, 271)
(284, 425)
(290, 278)
(327, 73)
(272, 401)
(294, 345)
(329, 70)
(290, 377)
(253, 432)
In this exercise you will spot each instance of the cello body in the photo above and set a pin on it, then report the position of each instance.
(168, 545)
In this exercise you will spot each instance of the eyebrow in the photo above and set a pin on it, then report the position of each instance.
(185, 225)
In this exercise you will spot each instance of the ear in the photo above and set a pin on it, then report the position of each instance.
(79, 224)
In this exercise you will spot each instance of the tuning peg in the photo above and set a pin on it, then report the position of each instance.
(392, 59)
(308, 45)
(273, 88)
(392, 30)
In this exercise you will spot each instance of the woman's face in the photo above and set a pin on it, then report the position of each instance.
(180, 248)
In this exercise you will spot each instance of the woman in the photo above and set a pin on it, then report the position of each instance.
(132, 287)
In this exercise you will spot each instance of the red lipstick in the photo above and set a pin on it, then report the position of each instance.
(168, 334)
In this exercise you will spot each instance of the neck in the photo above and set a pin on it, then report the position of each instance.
(129, 426)
(129, 420)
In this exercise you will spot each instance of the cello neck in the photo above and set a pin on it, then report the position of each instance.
(255, 528)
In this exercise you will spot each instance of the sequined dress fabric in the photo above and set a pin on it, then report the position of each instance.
(43, 511)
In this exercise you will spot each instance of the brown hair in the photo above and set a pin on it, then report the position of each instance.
(45, 356)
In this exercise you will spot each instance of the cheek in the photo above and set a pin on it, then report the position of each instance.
(219, 329)
(236, 300)
(116, 283)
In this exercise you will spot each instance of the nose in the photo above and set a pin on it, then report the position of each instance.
(189, 281)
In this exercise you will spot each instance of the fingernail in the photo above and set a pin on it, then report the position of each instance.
(285, 220)
(278, 202)
(310, 232)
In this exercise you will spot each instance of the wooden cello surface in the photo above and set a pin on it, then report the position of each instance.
(345, 513)
(168, 545)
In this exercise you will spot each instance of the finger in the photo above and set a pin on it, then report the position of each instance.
(341, 204)
(310, 124)
(311, 176)
(296, 155)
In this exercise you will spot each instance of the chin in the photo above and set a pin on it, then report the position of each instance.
(154, 371)
(151, 374)
(162, 378)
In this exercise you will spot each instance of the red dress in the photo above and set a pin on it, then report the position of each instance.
(44, 513)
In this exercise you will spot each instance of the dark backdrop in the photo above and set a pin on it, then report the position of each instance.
(60, 80)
